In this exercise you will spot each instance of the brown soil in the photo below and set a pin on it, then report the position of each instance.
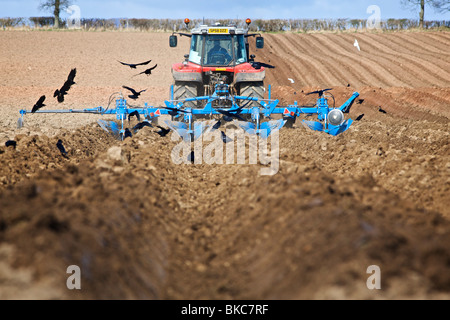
(141, 227)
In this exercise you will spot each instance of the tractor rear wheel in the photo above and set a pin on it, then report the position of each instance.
(184, 90)
(252, 89)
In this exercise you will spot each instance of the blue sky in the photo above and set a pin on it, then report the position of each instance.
(226, 9)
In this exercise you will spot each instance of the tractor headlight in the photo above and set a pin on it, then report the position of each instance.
(336, 117)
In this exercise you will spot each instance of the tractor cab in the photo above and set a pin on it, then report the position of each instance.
(218, 47)
(218, 54)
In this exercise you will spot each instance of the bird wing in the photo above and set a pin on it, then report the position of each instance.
(126, 64)
(66, 86)
(164, 129)
(72, 74)
(142, 91)
(131, 89)
(153, 67)
(265, 65)
(41, 100)
(143, 63)
(226, 113)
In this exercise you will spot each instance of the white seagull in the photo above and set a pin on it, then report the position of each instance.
(356, 44)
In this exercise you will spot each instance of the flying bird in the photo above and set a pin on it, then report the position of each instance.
(141, 125)
(163, 132)
(381, 110)
(60, 93)
(134, 114)
(11, 143)
(71, 77)
(217, 125)
(232, 114)
(360, 101)
(135, 94)
(134, 65)
(61, 148)
(258, 65)
(174, 111)
(356, 44)
(148, 71)
(39, 104)
(360, 117)
(291, 80)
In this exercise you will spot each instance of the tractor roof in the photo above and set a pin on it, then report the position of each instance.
(218, 29)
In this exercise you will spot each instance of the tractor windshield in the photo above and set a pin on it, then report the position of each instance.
(219, 50)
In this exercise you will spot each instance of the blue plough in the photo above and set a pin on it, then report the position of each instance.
(331, 120)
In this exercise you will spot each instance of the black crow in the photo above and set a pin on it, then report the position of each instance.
(231, 114)
(174, 111)
(163, 132)
(141, 125)
(11, 143)
(360, 117)
(148, 71)
(127, 134)
(135, 94)
(60, 93)
(217, 125)
(319, 92)
(258, 65)
(61, 148)
(134, 65)
(38, 104)
(134, 114)
(71, 77)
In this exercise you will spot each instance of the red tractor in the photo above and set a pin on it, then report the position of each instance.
(218, 55)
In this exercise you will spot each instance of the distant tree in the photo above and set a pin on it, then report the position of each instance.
(438, 5)
(56, 6)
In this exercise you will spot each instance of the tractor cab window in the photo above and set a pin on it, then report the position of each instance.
(218, 50)
(239, 49)
(195, 55)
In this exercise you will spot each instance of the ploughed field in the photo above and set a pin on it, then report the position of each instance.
(140, 226)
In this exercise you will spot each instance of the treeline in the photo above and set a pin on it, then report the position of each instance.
(272, 25)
